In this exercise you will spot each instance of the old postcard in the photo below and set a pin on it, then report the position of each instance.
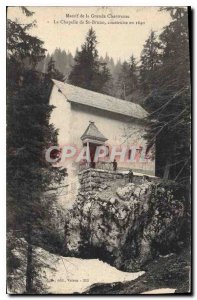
(98, 150)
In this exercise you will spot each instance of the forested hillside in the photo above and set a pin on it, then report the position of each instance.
(120, 77)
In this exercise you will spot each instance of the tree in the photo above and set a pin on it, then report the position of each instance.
(28, 135)
(127, 81)
(62, 63)
(170, 101)
(23, 48)
(106, 80)
(53, 72)
(87, 71)
(150, 61)
(133, 74)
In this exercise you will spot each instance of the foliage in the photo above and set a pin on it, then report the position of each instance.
(28, 135)
(53, 72)
(127, 81)
(169, 198)
(63, 62)
(150, 61)
(87, 71)
(169, 99)
(23, 48)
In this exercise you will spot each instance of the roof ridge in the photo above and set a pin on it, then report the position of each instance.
(123, 107)
(65, 83)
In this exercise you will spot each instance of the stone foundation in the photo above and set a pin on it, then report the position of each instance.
(124, 224)
(95, 179)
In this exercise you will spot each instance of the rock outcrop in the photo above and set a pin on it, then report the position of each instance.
(125, 224)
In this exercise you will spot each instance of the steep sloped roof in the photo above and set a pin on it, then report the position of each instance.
(75, 94)
(92, 132)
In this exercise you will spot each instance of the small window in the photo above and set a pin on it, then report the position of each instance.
(107, 151)
(129, 153)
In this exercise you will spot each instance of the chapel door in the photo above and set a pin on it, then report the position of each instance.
(92, 148)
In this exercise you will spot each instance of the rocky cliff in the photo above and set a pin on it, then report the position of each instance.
(125, 224)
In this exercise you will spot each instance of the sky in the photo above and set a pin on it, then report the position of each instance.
(118, 40)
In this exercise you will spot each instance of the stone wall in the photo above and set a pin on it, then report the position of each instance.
(95, 179)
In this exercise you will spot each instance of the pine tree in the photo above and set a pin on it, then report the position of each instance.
(106, 80)
(127, 80)
(62, 60)
(150, 61)
(111, 65)
(87, 71)
(28, 135)
(133, 74)
(53, 72)
(170, 104)
(124, 80)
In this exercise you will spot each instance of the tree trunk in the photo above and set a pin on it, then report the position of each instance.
(29, 268)
(166, 170)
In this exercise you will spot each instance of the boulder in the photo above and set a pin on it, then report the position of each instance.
(126, 226)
